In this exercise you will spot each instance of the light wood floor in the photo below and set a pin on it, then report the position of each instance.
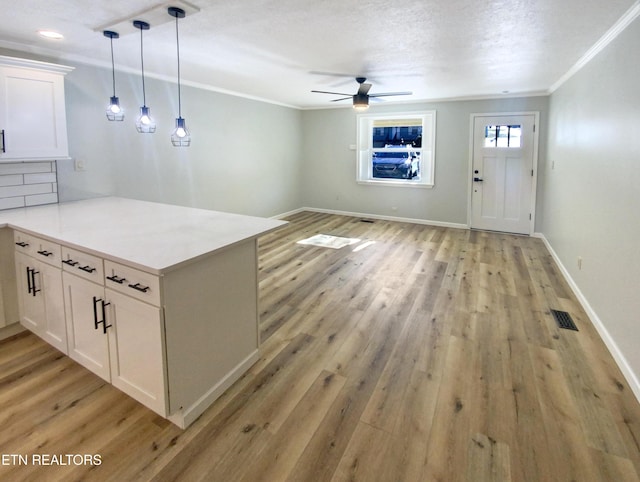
(428, 355)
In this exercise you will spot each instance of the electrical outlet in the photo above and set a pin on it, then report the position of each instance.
(579, 262)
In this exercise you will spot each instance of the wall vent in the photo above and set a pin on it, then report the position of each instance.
(564, 320)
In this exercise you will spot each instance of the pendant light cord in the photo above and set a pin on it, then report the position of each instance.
(144, 96)
(179, 87)
(113, 69)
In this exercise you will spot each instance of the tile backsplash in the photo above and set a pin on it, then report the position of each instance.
(28, 184)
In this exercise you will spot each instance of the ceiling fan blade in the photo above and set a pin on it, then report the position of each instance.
(332, 74)
(386, 94)
(364, 89)
(325, 92)
(343, 98)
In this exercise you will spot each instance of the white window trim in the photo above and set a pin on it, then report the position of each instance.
(364, 147)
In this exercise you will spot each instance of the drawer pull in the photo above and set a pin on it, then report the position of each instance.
(139, 287)
(116, 279)
(87, 269)
(44, 252)
(70, 262)
(22, 244)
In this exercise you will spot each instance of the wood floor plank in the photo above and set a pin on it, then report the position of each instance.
(420, 353)
(279, 457)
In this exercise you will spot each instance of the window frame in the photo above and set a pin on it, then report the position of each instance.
(364, 149)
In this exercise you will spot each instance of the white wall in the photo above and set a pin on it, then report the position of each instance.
(329, 166)
(591, 198)
(244, 156)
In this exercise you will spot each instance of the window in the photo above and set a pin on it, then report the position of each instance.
(396, 149)
(502, 136)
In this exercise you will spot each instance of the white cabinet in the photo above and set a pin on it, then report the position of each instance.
(88, 345)
(175, 289)
(136, 347)
(114, 335)
(33, 123)
(8, 286)
(40, 297)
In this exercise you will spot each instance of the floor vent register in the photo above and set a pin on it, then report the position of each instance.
(564, 320)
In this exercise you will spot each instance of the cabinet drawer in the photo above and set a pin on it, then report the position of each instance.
(132, 282)
(82, 264)
(41, 249)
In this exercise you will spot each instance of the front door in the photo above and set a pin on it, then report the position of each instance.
(502, 195)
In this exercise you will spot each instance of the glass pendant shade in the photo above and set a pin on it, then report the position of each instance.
(114, 111)
(180, 136)
(145, 123)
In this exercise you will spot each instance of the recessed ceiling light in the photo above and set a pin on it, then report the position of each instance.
(50, 34)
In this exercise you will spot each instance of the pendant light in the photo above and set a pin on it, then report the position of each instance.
(180, 136)
(114, 111)
(144, 124)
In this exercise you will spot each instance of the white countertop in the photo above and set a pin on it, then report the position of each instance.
(150, 236)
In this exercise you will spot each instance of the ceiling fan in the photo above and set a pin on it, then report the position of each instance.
(361, 98)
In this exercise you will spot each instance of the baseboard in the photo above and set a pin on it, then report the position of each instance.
(386, 218)
(612, 346)
(289, 213)
(11, 330)
(186, 417)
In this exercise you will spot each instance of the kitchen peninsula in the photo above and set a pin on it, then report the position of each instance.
(159, 300)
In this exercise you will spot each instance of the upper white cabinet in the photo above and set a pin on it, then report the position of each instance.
(33, 122)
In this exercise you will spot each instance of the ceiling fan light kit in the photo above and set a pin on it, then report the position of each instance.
(360, 102)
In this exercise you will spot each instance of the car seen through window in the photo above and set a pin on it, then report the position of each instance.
(396, 164)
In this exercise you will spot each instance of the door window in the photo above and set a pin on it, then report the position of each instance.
(502, 136)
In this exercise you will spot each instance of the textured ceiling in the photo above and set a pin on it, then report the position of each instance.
(275, 49)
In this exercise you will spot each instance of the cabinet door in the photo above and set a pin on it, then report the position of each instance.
(32, 114)
(136, 350)
(41, 301)
(49, 281)
(88, 344)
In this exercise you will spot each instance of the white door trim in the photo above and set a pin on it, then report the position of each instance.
(536, 137)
